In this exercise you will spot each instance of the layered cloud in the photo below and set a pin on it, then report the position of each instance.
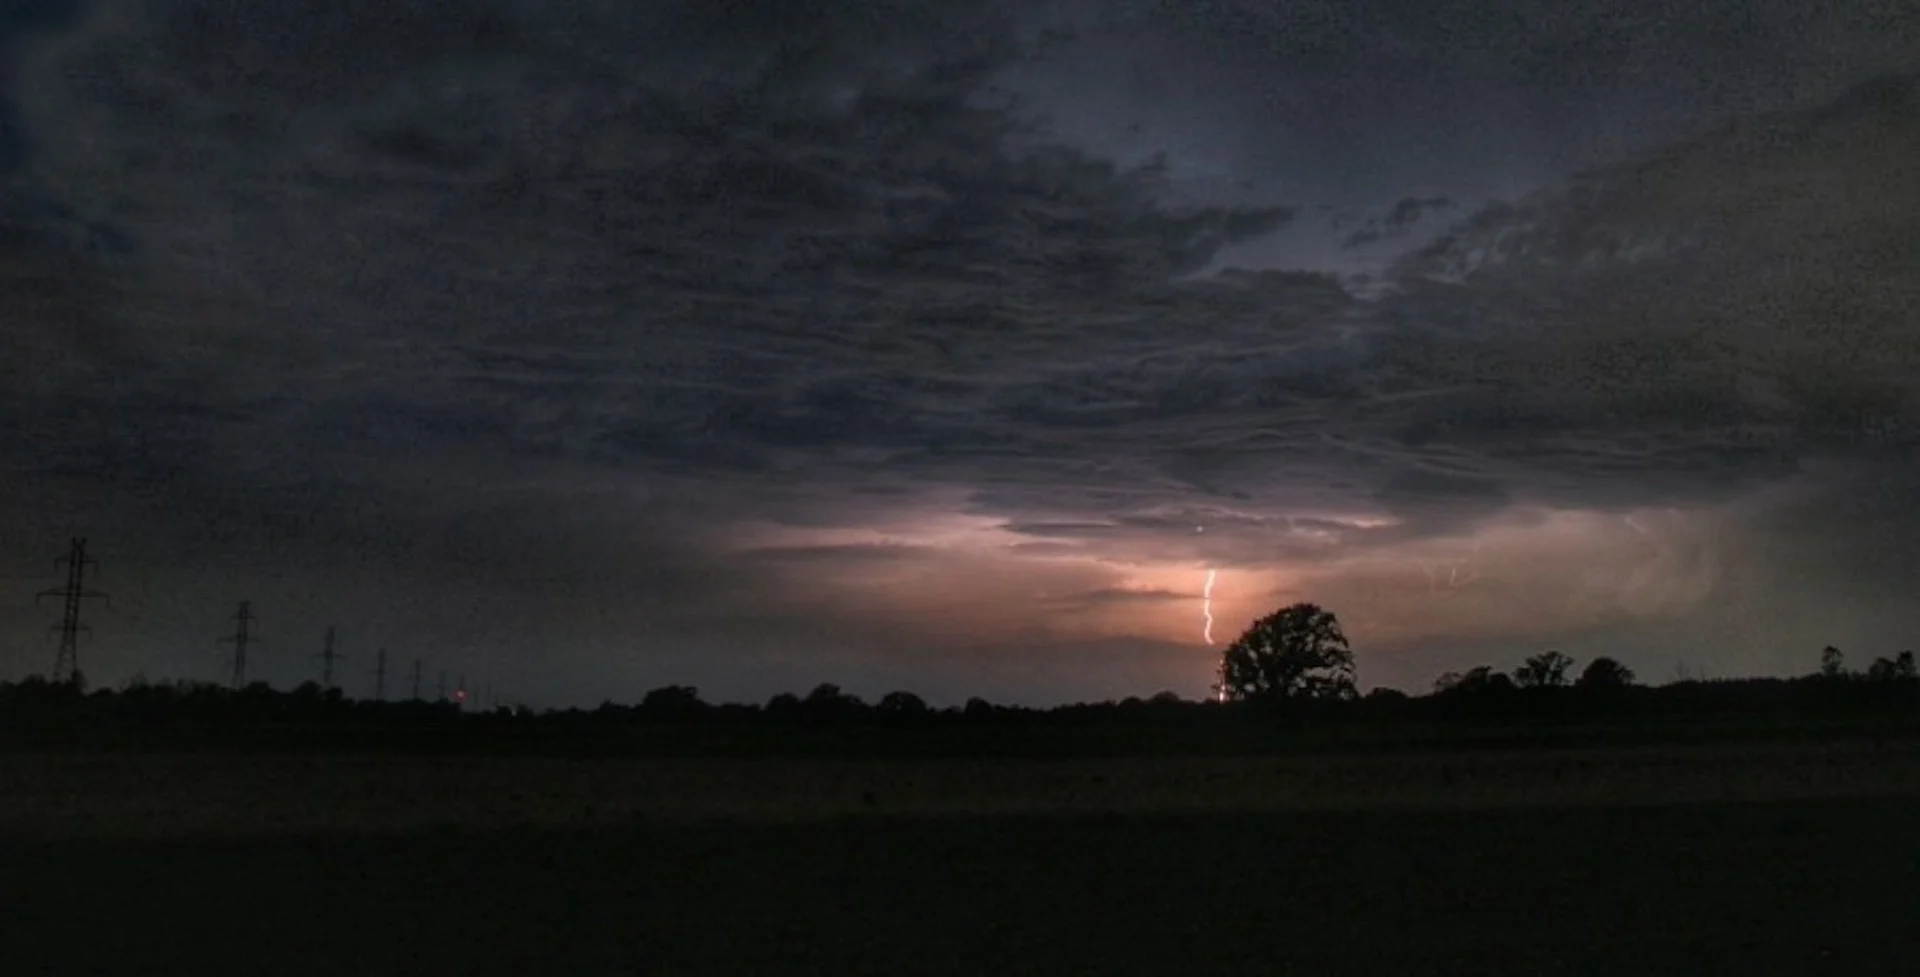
(833, 337)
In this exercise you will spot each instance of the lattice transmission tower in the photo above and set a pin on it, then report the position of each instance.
(242, 636)
(66, 662)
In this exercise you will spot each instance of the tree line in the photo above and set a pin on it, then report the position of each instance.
(1300, 654)
(1295, 662)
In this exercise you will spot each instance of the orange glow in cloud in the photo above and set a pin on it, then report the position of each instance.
(967, 579)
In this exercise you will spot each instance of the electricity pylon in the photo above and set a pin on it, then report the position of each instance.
(66, 662)
(327, 657)
(242, 635)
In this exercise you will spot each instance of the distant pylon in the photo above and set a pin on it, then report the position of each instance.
(327, 657)
(442, 694)
(241, 636)
(416, 680)
(380, 677)
(66, 662)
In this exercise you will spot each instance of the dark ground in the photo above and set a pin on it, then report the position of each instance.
(1804, 888)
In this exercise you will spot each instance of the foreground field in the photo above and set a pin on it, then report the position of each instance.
(167, 796)
(1756, 860)
(1800, 888)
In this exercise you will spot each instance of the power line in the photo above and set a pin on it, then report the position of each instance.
(66, 662)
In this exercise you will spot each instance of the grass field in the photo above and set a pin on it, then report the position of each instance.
(1752, 862)
(163, 796)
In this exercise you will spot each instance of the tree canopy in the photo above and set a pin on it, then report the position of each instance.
(1545, 670)
(1605, 673)
(1297, 652)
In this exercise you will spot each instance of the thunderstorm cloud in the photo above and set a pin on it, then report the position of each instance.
(595, 345)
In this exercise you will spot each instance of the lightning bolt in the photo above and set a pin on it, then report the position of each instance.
(1206, 608)
(1461, 571)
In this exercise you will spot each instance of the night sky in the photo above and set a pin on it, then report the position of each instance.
(586, 346)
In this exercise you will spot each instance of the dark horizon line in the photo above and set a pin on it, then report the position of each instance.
(1492, 683)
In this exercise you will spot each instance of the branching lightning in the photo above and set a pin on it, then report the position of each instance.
(1206, 609)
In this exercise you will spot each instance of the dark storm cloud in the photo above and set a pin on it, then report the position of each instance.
(1732, 299)
(18, 21)
(807, 262)
(817, 247)
(841, 554)
(1397, 220)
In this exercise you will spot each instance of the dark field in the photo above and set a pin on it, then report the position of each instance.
(1734, 862)
(1790, 888)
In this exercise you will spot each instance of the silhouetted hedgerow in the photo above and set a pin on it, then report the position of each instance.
(1478, 707)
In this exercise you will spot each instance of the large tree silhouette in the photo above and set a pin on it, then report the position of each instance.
(1297, 652)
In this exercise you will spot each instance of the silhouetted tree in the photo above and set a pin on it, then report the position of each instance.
(1897, 669)
(783, 707)
(1605, 673)
(827, 703)
(1297, 652)
(1478, 680)
(902, 704)
(1383, 702)
(1546, 670)
(1833, 664)
(676, 702)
